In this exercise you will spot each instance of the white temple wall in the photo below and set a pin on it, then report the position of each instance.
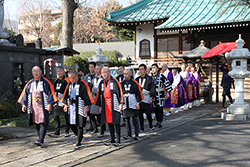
(146, 33)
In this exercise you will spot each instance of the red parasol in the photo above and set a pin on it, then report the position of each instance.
(220, 49)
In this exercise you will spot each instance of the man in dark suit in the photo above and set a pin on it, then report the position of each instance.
(226, 83)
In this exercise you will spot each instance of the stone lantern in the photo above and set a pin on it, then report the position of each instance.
(239, 110)
(98, 58)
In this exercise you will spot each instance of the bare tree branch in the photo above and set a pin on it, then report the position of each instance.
(36, 21)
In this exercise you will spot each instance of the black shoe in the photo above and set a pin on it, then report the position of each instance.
(141, 130)
(109, 144)
(159, 125)
(101, 135)
(94, 132)
(67, 134)
(90, 129)
(116, 144)
(37, 143)
(136, 138)
(53, 135)
(151, 129)
(122, 125)
(156, 125)
(77, 146)
(127, 137)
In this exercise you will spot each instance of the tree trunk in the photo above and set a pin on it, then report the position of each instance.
(68, 8)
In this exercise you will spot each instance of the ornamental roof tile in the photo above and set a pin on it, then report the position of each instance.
(182, 13)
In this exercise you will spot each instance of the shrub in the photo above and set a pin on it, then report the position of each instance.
(7, 110)
(82, 60)
(72, 60)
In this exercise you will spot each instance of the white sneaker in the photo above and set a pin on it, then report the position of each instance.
(198, 102)
(185, 107)
(153, 115)
(167, 114)
(190, 105)
(176, 111)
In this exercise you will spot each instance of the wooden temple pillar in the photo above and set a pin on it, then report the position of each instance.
(217, 79)
(210, 81)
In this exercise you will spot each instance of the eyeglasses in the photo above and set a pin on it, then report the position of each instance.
(36, 71)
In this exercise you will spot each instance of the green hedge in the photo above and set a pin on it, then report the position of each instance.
(7, 110)
(76, 59)
(82, 59)
(22, 121)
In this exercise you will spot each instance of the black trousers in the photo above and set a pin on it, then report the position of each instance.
(57, 123)
(112, 129)
(136, 125)
(103, 128)
(149, 117)
(78, 131)
(95, 118)
(226, 92)
(90, 120)
(41, 131)
(159, 114)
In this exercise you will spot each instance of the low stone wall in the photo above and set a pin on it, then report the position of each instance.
(12, 60)
(125, 48)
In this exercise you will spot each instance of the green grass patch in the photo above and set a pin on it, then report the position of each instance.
(22, 121)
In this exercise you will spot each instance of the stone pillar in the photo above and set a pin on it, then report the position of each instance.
(239, 110)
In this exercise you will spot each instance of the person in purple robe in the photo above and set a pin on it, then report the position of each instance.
(196, 82)
(168, 74)
(186, 77)
(191, 88)
(177, 94)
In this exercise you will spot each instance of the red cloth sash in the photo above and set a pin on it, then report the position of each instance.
(174, 96)
(190, 91)
(108, 105)
(195, 92)
(185, 93)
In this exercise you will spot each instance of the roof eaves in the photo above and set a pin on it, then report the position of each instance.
(126, 10)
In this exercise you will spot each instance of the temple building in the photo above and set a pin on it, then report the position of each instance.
(166, 28)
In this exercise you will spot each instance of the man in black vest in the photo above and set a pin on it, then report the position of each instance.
(59, 86)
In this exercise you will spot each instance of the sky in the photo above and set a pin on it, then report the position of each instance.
(12, 12)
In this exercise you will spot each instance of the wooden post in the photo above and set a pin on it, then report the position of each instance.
(135, 47)
(62, 58)
(217, 80)
(210, 82)
(155, 43)
(180, 47)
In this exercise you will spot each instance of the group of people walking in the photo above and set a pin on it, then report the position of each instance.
(105, 99)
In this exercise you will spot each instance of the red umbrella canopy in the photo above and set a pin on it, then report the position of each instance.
(220, 49)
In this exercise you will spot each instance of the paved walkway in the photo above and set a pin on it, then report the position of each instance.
(60, 151)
